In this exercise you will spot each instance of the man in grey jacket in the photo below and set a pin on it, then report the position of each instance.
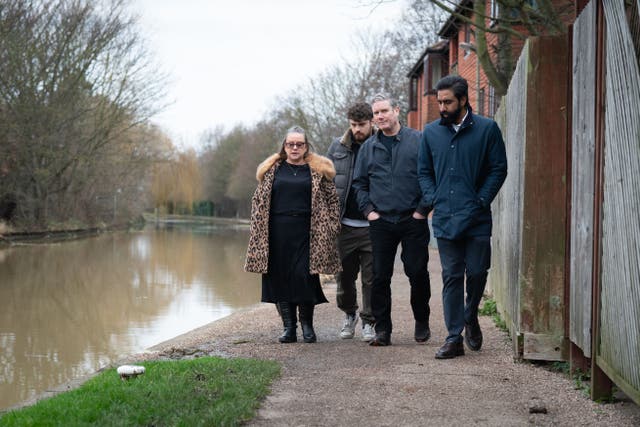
(354, 244)
(388, 194)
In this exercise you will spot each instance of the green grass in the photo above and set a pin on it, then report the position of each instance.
(205, 391)
(562, 367)
(489, 308)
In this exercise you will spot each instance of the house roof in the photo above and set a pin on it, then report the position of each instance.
(451, 27)
(440, 47)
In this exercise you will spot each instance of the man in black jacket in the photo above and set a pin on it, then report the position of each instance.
(354, 243)
(388, 193)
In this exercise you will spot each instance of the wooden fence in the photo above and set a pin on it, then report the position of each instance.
(528, 272)
(507, 207)
(582, 177)
(585, 299)
(618, 347)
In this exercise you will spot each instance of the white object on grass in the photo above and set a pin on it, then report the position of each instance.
(130, 371)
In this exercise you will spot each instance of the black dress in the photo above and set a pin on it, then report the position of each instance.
(288, 278)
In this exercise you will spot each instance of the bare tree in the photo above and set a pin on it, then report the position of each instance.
(261, 141)
(378, 63)
(218, 162)
(75, 80)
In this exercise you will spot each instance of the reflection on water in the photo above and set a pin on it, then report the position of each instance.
(68, 309)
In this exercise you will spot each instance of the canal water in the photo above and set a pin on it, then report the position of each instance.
(68, 309)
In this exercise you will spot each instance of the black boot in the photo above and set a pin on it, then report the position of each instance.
(288, 313)
(306, 321)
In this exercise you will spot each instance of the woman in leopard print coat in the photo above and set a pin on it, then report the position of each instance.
(294, 227)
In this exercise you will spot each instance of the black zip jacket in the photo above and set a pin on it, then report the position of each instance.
(387, 182)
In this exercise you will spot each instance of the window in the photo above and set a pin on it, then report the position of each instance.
(453, 47)
(495, 12)
(467, 39)
(413, 94)
(494, 102)
(480, 105)
(435, 67)
(436, 72)
(495, 9)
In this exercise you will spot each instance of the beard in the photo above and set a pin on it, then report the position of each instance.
(448, 119)
(359, 137)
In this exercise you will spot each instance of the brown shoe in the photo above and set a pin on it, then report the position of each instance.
(450, 350)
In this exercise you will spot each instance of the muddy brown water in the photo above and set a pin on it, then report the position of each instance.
(68, 309)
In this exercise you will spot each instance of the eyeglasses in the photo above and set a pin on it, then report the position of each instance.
(295, 144)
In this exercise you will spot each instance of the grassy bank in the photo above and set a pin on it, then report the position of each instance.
(204, 391)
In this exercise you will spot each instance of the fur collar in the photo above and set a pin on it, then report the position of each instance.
(316, 162)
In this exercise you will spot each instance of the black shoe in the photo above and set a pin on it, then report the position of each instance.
(450, 350)
(382, 339)
(473, 336)
(422, 331)
(308, 334)
(288, 336)
(306, 321)
(288, 313)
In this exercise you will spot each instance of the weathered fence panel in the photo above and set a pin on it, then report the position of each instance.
(545, 193)
(507, 207)
(527, 272)
(536, 307)
(582, 177)
(618, 350)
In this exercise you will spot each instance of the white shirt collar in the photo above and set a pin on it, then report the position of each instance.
(457, 127)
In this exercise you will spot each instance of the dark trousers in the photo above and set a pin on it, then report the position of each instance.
(470, 257)
(413, 235)
(354, 246)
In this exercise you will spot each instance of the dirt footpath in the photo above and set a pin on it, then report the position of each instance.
(337, 382)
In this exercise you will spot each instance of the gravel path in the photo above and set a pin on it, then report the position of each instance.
(346, 382)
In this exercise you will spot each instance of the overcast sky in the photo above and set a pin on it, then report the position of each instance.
(229, 59)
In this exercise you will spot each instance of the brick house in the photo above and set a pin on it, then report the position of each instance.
(455, 54)
(463, 59)
(432, 65)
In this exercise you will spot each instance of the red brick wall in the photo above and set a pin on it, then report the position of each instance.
(431, 111)
(413, 120)
(467, 67)
(427, 107)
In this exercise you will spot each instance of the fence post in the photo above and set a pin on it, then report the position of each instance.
(600, 384)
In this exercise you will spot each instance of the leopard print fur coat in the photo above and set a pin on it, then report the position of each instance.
(325, 217)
